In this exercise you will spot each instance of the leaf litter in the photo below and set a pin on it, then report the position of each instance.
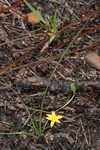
(26, 69)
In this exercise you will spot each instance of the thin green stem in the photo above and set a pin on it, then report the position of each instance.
(26, 108)
(18, 133)
(66, 103)
(57, 65)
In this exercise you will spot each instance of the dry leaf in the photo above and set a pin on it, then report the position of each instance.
(93, 59)
(31, 18)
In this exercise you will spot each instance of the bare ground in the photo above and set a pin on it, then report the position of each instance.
(25, 65)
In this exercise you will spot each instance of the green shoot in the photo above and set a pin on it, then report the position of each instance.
(54, 28)
(54, 23)
(51, 39)
(56, 66)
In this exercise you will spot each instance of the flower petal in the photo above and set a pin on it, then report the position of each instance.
(58, 121)
(52, 124)
(48, 118)
(59, 117)
(48, 115)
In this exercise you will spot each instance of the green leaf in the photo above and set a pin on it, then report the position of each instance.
(51, 39)
(53, 23)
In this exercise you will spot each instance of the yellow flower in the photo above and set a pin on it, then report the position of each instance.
(53, 118)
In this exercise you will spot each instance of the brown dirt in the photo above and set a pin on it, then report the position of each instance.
(26, 65)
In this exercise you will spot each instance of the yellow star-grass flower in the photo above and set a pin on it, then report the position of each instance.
(53, 118)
